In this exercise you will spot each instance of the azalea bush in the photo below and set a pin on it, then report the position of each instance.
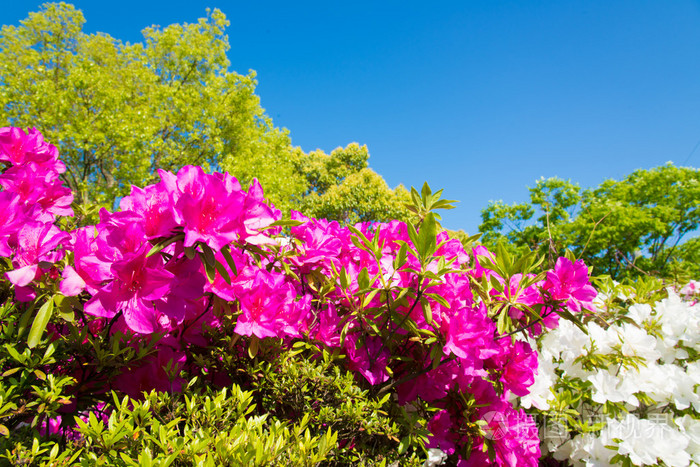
(195, 325)
(626, 392)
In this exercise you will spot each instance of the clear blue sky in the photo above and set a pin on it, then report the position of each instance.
(480, 98)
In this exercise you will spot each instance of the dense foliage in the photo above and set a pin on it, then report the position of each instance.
(357, 345)
(640, 225)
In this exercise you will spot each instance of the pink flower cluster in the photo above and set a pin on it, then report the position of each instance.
(157, 264)
(112, 259)
(32, 197)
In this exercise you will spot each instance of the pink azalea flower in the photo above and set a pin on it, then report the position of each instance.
(90, 270)
(209, 208)
(137, 283)
(478, 270)
(152, 374)
(326, 329)
(517, 365)
(443, 435)
(20, 148)
(256, 214)
(318, 246)
(469, 334)
(514, 434)
(36, 242)
(186, 288)
(36, 186)
(268, 305)
(569, 282)
(435, 384)
(369, 359)
(11, 219)
(154, 205)
(220, 287)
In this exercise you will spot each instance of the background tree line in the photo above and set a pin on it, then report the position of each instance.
(645, 224)
(118, 112)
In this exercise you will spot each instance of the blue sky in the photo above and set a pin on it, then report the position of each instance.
(480, 98)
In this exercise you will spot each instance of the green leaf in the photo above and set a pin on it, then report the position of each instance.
(344, 280)
(253, 346)
(439, 298)
(223, 272)
(24, 320)
(284, 223)
(40, 321)
(65, 307)
(401, 256)
(208, 255)
(427, 311)
(226, 252)
(164, 243)
(210, 271)
(425, 193)
(190, 252)
(427, 237)
(363, 279)
(412, 234)
(404, 444)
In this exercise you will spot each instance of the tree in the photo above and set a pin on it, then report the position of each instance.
(119, 112)
(342, 187)
(621, 228)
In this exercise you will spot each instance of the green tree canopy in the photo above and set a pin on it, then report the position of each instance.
(623, 228)
(118, 112)
(342, 187)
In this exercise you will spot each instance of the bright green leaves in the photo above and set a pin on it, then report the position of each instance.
(52, 305)
(528, 270)
(423, 233)
(425, 239)
(210, 428)
(40, 321)
(427, 201)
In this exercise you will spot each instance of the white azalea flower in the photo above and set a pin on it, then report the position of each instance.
(661, 382)
(654, 380)
(691, 428)
(435, 457)
(604, 339)
(587, 450)
(567, 341)
(637, 343)
(640, 313)
(679, 320)
(608, 387)
(540, 391)
(684, 389)
(646, 441)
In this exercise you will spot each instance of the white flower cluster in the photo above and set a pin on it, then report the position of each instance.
(626, 392)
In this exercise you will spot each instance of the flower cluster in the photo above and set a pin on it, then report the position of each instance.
(32, 197)
(633, 381)
(405, 308)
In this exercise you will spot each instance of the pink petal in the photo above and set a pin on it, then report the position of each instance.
(72, 284)
(24, 275)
